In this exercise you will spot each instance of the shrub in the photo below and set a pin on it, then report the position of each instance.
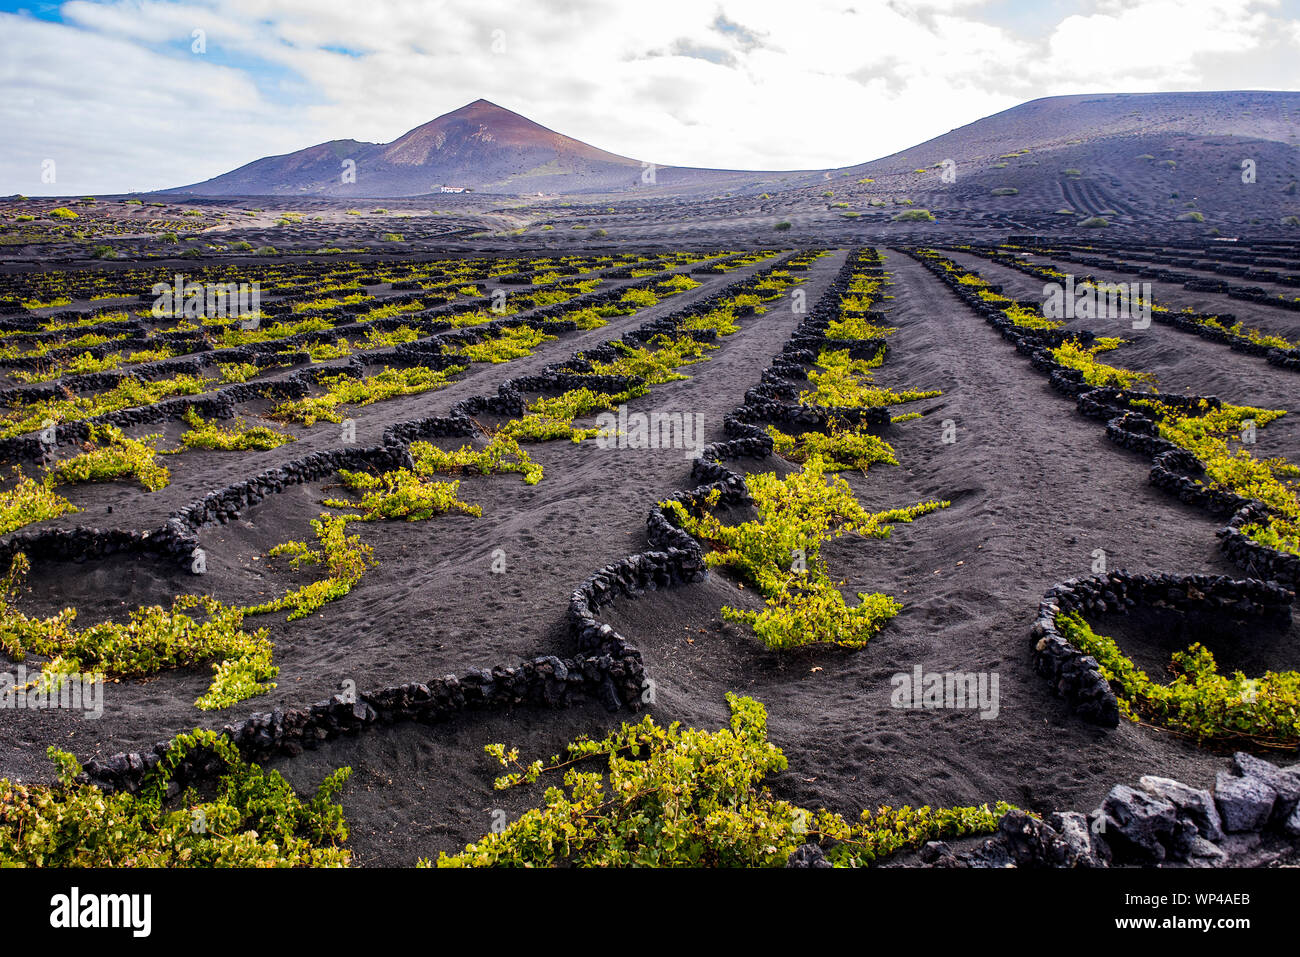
(1191, 217)
(252, 818)
(782, 226)
(1206, 433)
(345, 559)
(511, 343)
(672, 797)
(857, 327)
(846, 382)
(78, 365)
(62, 212)
(679, 282)
(111, 455)
(237, 371)
(240, 438)
(551, 417)
(914, 216)
(639, 298)
(842, 449)
(154, 639)
(325, 351)
(1074, 355)
(655, 365)
(402, 493)
(128, 393)
(781, 554)
(30, 501)
(502, 454)
(344, 390)
(1005, 191)
(1200, 701)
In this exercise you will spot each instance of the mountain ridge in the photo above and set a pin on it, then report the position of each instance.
(484, 147)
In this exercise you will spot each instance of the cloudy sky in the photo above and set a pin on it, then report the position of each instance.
(143, 94)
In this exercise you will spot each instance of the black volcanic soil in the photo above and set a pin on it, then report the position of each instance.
(1035, 489)
(1183, 362)
(433, 586)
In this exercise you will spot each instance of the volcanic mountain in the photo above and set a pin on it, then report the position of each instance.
(480, 146)
(1131, 156)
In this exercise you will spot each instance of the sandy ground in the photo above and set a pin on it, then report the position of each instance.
(1035, 490)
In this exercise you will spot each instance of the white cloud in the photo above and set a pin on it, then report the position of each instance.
(115, 95)
(1148, 45)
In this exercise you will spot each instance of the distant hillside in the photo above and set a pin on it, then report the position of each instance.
(1130, 157)
(480, 146)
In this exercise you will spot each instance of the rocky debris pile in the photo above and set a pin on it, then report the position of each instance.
(1162, 822)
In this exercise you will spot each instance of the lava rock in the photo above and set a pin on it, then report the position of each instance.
(936, 854)
(1083, 851)
(1136, 824)
(1203, 853)
(1286, 782)
(807, 855)
(1245, 803)
(1193, 804)
(1032, 842)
